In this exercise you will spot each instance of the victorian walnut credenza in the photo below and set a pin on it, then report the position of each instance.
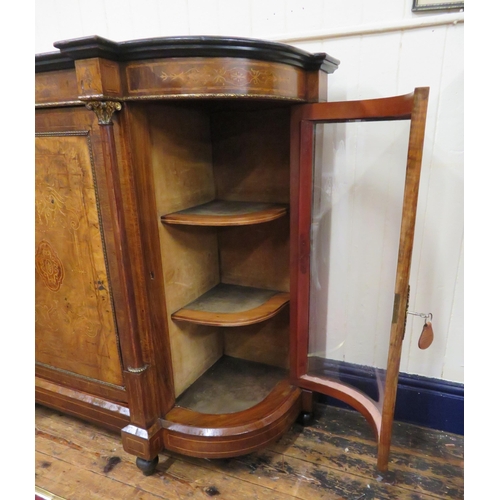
(173, 214)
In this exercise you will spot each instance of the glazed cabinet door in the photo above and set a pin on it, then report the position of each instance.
(76, 331)
(353, 208)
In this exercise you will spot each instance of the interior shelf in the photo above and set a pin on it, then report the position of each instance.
(234, 408)
(233, 305)
(231, 385)
(226, 213)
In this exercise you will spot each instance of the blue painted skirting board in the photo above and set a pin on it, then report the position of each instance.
(432, 403)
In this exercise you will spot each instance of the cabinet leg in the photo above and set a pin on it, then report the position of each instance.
(147, 466)
(307, 414)
(305, 418)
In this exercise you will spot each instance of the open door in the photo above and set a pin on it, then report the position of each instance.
(340, 202)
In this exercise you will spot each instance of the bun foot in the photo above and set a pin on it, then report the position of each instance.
(305, 418)
(147, 466)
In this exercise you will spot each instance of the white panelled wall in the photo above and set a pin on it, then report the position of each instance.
(384, 49)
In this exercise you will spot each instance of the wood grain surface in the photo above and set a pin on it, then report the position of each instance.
(56, 86)
(226, 213)
(75, 328)
(233, 434)
(332, 459)
(220, 76)
(233, 305)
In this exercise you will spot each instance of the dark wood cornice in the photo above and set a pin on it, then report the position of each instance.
(184, 46)
(51, 61)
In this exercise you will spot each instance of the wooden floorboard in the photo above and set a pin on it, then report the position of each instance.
(334, 458)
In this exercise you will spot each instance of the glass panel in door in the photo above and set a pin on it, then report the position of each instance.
(358, 184)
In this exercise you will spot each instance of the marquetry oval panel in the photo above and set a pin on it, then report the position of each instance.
(216, 77)
(75, 328)
(48, 265)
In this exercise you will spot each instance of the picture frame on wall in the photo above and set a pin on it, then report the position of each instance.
(419, 5)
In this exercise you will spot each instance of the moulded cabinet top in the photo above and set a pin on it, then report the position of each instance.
(181, 46)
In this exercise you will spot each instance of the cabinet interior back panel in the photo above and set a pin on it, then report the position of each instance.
(265, 342)
(182, 157)
(181, 160)
(251, 155)
(257, 255)
(251, 160)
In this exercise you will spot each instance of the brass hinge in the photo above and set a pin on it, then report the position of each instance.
(406, 311)
(395, 311)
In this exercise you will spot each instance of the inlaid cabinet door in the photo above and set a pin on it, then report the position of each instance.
(76, 332)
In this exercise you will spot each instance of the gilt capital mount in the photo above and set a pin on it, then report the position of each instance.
(104, 110)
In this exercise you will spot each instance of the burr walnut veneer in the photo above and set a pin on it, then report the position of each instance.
(173, 188)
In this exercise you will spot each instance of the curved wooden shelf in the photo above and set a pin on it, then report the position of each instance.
(226, 213)
(233, 305)
(231, 385)
(233, 434)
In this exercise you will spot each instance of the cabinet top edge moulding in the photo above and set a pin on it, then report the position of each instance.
(181, 67)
